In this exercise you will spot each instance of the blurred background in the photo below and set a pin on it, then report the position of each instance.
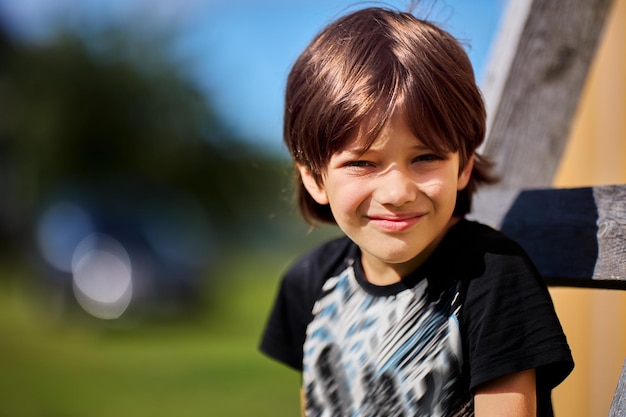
(146, 206)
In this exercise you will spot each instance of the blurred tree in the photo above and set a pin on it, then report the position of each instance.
(116, 116)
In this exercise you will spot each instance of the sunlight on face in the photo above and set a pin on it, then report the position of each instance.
(394, 199)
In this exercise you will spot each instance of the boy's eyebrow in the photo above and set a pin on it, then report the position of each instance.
(355, 151)
(359, 151)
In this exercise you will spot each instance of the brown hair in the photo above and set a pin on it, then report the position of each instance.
(364, 66)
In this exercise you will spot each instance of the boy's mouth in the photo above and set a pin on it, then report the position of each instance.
(395, 223)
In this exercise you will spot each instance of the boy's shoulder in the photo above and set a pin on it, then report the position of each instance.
(305, 278)
(472, 235)
(475, 248)
(325, 259)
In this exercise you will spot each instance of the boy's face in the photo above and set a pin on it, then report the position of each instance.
(394, 200)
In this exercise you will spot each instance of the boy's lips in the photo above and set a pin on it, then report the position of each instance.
(395, 223)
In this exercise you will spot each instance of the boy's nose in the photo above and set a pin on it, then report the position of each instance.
(395, 188)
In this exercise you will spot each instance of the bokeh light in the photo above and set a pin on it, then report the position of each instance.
(102, 276)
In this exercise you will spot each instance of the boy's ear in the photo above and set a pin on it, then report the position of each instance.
(317, 191)
(464, 176)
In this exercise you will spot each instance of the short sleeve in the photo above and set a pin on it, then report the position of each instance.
(299, 288)
(511, 324)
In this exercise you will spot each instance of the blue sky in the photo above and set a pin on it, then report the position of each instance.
(240, 51)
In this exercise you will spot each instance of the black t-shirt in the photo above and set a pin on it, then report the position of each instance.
(474, 311)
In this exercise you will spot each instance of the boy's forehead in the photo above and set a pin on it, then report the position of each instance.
(366, 136)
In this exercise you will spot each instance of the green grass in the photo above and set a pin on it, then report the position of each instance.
(54, 366)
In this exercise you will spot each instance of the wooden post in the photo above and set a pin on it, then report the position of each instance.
(532, 88)
(531, 123)
(533, 93)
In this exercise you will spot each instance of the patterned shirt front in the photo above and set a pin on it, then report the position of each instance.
(397, 354)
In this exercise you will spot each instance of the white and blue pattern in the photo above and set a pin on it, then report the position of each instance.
(367, 355)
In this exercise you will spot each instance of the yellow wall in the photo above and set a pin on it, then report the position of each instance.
(595, 320)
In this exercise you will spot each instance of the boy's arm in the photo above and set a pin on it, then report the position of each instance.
(508, 396)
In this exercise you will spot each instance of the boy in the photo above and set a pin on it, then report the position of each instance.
(417, 311)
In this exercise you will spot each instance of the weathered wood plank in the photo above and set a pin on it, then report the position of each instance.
(618, 406)
(576, 236)
(529, 128)
(611, 203)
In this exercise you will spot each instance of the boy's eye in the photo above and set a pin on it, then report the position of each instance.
(358, 164)
(428, 157)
